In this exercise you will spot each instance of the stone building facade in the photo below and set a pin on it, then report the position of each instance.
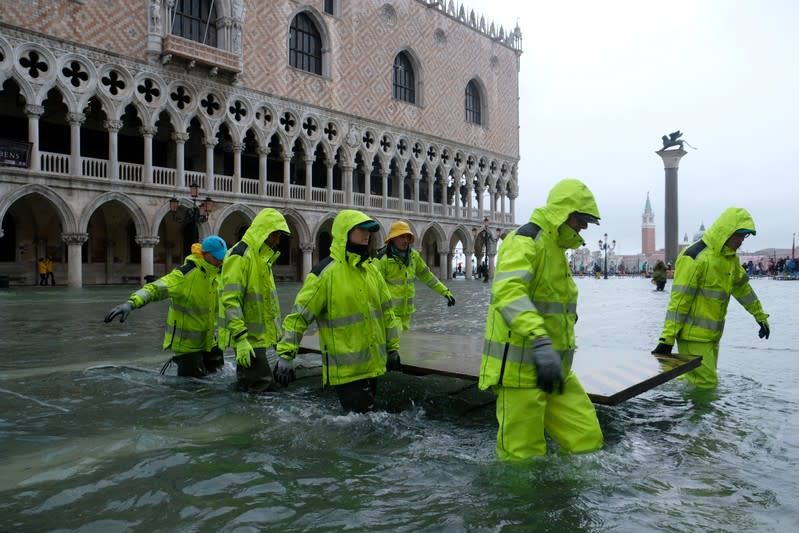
(147, 125)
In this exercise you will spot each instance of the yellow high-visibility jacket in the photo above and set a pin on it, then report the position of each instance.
(707, 273)
(350, 302)
(533, 293)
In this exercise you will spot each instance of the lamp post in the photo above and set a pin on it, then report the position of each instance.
(197, 213)
(603, 245)
(486, 238)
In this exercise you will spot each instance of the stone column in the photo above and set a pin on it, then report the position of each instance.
(329, 166)
(671, 164)
(34, 112)
(308, 178)
(480, 190)
(444, 265)
(467, 258)
(384, 186)
(512, 200)
(286, 177)
(307, 259)
(367, 186)
(209, 164)
(148, 132)
(237, 148)
(147, 244)
(469, 196)
(346, 177)
(75, 120)
(417, 177)
(74, 243)
(431, 185)
(180, 138)
(262, 153)
(113, 127)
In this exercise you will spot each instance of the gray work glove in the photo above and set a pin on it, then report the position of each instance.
(662, 348)
(122, 311)
(547, 366)
(284, 371)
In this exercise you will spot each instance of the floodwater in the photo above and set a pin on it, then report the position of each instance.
(92, 438)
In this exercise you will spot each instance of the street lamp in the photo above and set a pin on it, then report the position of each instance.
(603, 245)
(197, 214)
(486, 239)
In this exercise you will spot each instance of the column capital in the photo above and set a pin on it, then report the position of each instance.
(33, 110)
(263, 150)
(148, 131)
(210, 143)
(75, 119)
(147, 242)
(113, 126)
(307, 248)
(237, 147)
(671, 158)
(180, 136)
(74, 238)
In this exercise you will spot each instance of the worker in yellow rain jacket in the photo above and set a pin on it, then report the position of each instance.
(400, 265)
(707, 273)
(350, 302)
(193, 291)
(529, 335)
(250, 308)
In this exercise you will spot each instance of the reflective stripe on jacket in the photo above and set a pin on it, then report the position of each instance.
(707, 273)
(350, 302)
(194, 294)
(249, 302)
(533, 293)
(400, 279)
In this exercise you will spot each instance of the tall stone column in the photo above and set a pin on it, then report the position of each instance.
(671, 164)
(346, 178)
(147, 245)
(384, 186)
(113, 127)
(480, 190)
(148, 132)
(329, 168)
(209, 164)
(74, 243)
(180, 138)
(467, 258)
(75, 120)
(34, 112)
(307, 258)
(444, 265)
(469, 196)
(309, 178)
(262, 153)
(237, 148)
(367, 186)
(286, 177)
(416, 179)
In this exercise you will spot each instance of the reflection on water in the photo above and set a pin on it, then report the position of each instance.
(93, 439)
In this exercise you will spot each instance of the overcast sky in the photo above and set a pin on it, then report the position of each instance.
(601, 82)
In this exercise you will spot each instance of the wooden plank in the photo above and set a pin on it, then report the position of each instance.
(609, 376)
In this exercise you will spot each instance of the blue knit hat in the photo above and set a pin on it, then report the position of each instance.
(215, 246)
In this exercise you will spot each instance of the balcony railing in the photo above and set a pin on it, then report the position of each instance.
(59, 164)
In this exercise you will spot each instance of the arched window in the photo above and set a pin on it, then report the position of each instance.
(305, 45)
(404, 79)
(472, 104)
(194, 20)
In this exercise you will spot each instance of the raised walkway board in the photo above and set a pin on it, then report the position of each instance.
(609, 376)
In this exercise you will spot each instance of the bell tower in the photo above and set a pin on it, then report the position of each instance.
(648, 229)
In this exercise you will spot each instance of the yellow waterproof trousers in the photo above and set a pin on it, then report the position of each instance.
(524, 415)
(704, 376)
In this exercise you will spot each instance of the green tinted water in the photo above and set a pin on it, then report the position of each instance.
(93, 439)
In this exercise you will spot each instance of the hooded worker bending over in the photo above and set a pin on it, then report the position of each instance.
(400, 265)
(191, 319)
(708, 272)
(250, 307)
(529, 336)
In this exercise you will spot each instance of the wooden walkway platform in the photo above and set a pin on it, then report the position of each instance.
(608, 376)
